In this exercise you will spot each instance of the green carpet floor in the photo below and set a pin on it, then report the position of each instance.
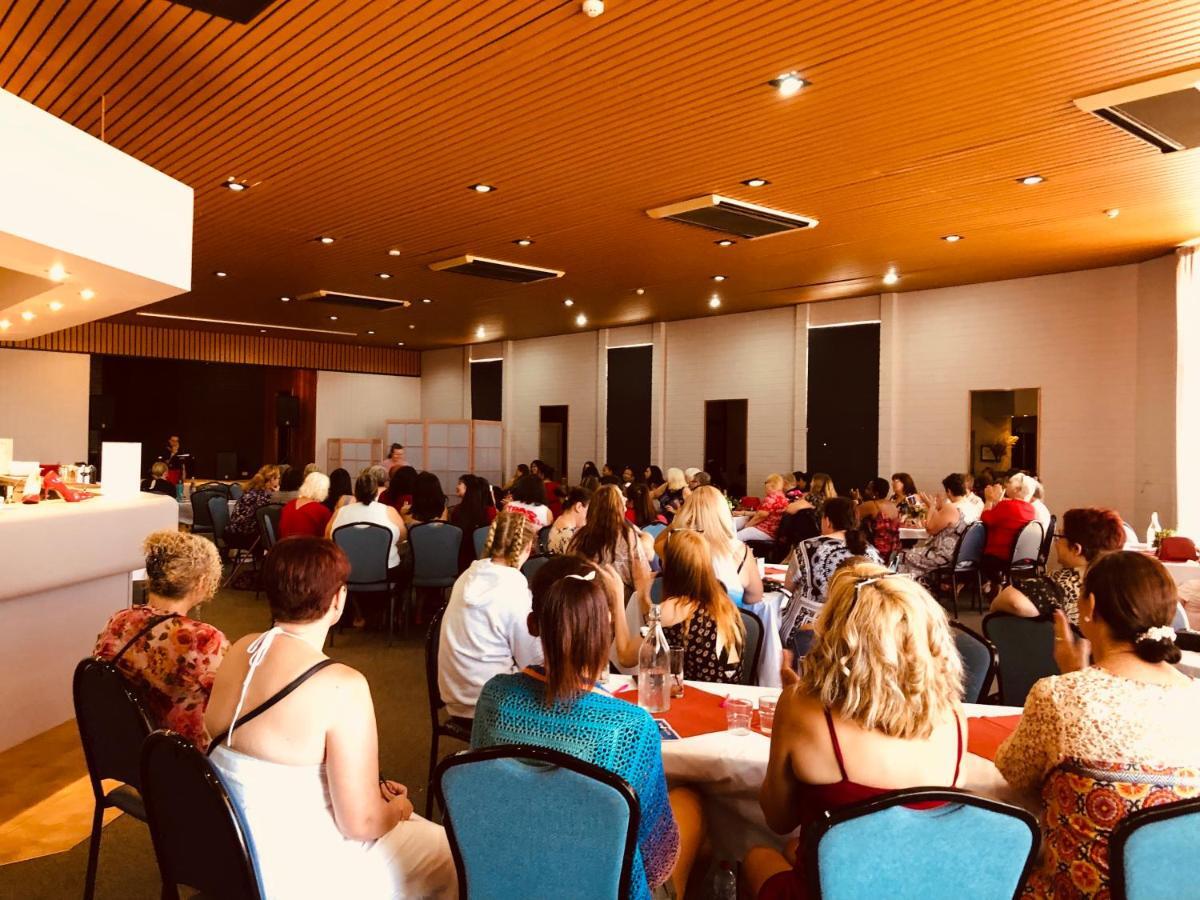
(397, 678)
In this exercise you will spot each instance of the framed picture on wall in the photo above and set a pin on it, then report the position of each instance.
(987, 454)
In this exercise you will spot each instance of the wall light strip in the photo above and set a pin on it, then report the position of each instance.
(488, 359)
(847, 324)
(245, 324)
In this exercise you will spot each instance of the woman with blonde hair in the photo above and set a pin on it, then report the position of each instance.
(172, 658)
(484, 628)
(307, 514)
(672, 493)
(706, 512)
(242, 530)
(609, 538)
(697, 614)
(762, 525)
(877, 708)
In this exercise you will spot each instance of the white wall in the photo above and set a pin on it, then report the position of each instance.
(445, 384)
(351, 405)
(44, 404)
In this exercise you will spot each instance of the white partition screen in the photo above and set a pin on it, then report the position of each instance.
(450, 447)
(489, 442)
(353, 454)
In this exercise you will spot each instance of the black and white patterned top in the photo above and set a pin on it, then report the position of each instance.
(704, 659)
(810, 569)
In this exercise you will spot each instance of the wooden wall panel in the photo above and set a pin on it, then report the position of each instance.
(120, 339)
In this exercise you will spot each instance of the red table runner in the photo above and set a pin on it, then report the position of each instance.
(696, 712)
(985, 734)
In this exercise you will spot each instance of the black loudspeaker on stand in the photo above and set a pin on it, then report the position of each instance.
(287, 416)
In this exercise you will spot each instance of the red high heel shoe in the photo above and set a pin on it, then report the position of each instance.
(51, 483)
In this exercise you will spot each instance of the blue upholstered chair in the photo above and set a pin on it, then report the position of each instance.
(200, 839)
(368, 547)
(435, 547)
(514, 824)
(480, 539)
(964, 565)
(752, 651)
(1026, 652)
(201, 517)
(543, 540)
(655, 530)
(979, 662)
(1149, 849)
(532, 565)
(882, 848)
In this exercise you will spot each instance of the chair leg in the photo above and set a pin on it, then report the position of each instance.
(979, 590)
(433, 754)
(89, 884)
(954, 592)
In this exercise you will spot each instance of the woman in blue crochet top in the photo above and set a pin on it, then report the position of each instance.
(561, 707)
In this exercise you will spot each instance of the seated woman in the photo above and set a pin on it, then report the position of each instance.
(561, 706)
(171, 658)
(707, 513)
(485, 626)
(528, 497)
(367, 509)
(608, 539)
(242, 530)
(574, 517)
(970, 504)
(157, 483)
(1007, 511)
(945, 525)
(811, 566)
(671, 492)
(1086, 534)
(697, 614)
(297, 748)
(764, 522)
(802, 518)
(1111, 735)
(341, 489)
(852, 729)
(307, 514)
(589, 470)
(290, 479)
(402, 483)
(641, 511)
(474, 511)
(905, 496)
(428, 500)
(880, 518)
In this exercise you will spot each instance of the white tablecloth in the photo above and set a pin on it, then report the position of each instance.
(913, 534)
(728, 770)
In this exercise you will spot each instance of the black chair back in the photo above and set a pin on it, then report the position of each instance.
(1025, 648)
(112, 723)
(199, 837)
(368, 546)
(268, 523)
(979, 662)
(433, 638)
(1047, 543)
(201, 517)
(543, 540)
(752, 649)
(219, 488)
(532, 565)
(969, 552)
(1026, 548)
(1188, 640)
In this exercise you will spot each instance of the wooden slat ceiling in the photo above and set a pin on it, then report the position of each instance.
(367, 120)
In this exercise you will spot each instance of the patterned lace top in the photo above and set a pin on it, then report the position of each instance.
(241, 518)
(173, 666)
(1094, 715)
(705, 658)
(810, 569)
(599, 729)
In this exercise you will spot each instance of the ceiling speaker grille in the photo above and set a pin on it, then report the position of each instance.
(735, 217)
(496, 269)
(1165, 112)
(353, 301)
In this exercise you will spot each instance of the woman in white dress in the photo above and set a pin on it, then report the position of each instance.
(296, 745)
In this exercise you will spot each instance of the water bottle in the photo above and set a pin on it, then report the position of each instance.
(1153, 530)
(724, 886)
(654, 667)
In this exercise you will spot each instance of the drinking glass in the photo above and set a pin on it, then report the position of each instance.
(766, 713)
(677, 671)
(737, 715)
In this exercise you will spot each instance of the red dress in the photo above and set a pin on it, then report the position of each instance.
(308, 520)
(1004, 522)
(817, 799)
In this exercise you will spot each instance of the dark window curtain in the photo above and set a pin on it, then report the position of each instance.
(300, 447)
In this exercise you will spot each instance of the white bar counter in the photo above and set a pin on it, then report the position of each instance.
(64, 569)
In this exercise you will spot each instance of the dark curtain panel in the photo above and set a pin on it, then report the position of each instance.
(843, 404)
(295, 444)
(628, 414)
(487, 384)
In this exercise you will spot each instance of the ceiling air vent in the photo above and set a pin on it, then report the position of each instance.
(353, 301)
(1164, 112)
(496, 269)
(736, 217)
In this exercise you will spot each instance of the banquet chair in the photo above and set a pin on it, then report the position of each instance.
(480, 538)
(1047, 546)
(752, 650)
(368, 547)
(451, 726)
(513, 822)
(1027, 546)
(235, 491)
(968, 556)
(218, 487)
(883, 848)
(218, 515)
(979, 662)
(435, 547)
(751, 503)
(267, 518)
(200, 839)
(1180, 620)
(532, 565)
(656, 589)
(1188, 640)
(1026, 652)
(543, 539)
(201, 517)
(655, 530)
(112, 726)
(1146, 847)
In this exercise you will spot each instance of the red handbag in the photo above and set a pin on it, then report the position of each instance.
(1177, 549)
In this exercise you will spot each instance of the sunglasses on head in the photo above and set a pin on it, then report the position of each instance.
(872, 579)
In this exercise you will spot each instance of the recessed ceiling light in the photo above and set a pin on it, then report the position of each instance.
(370, 332)
(640, 291)
(54, 305)
(57, 272)
(399, 343)
(262, 331)
(286, 299)
(384, 275)
(426, 300)
(333, 318)
(788, 84)
(220, 274)
(725, 242)
(756, 182)
(719, 277)
(1112, 213)
(87, 294)
(271, 325)
(393, 252)
(568, 302)
(481, 188)
(410, 327)
(28, 316)
(5, 324)
(479, 332)
(581, 320)
(714, 301)
(891, 277)
(952, 238)
(325, 239)
(234, 185)
(523, 242)
(1032, 179)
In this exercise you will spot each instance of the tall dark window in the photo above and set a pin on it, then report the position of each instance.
(843, 403)
(628, 414)
(487, 383)
(725, 444)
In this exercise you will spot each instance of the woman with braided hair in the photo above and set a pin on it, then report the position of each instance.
(484, 630)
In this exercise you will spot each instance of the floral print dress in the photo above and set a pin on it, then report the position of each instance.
(173, 666)
(704, 657)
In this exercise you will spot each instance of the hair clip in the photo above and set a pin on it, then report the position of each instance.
(590, 576)
(1158, 633)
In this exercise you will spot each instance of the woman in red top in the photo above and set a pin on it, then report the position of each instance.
(763, 524)
(1006, 511)
(307, 515)
(850, 729)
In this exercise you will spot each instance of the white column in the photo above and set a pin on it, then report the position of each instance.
(800, 389)
(1187, 392)
(600, 450)
(506, 405)
(889, 364)
(658, 395)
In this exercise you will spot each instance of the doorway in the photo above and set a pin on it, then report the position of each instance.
(725, 444)
(1004, 430)
(552, 437)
